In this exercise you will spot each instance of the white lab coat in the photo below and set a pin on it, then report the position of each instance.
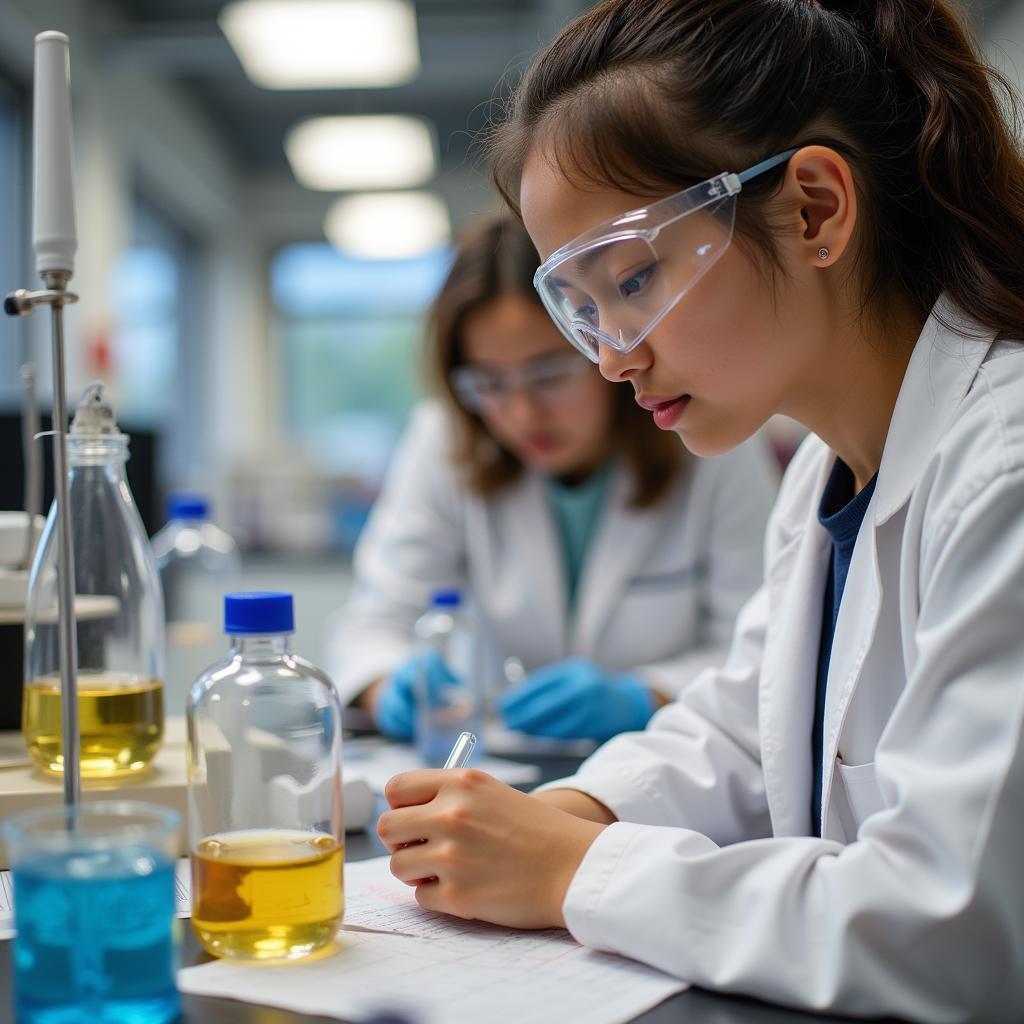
(659, 591)
(912, 903)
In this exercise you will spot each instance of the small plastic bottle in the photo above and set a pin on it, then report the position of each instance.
(198, 563)
(266, 829)
(442, 713)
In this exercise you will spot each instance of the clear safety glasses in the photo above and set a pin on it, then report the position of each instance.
(545, 379)
(611, 285)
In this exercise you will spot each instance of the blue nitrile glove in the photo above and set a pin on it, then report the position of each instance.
(577, 700)
(395, 711)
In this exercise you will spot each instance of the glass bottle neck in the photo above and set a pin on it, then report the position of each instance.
(261, 645)
(98, 450)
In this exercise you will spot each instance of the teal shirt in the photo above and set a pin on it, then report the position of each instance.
(577, 511)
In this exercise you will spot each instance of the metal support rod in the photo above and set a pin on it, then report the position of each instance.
(65, 561)
(21, 303)
(33, 475)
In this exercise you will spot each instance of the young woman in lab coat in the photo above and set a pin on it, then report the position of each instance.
(834, 819)
(595, 551)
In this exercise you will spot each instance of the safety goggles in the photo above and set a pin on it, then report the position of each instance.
(612, 285)
(547, 378)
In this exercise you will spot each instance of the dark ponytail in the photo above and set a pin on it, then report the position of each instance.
(653, 95)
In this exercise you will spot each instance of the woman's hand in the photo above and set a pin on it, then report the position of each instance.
(577, 699)
(476, 848)
(392, 701)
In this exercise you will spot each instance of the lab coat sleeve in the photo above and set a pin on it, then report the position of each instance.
(922, 916)
(743, 487)
(413, 544)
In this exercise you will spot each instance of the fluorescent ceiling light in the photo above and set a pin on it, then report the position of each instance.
(388, 225)
(324, 44)
(336, 154)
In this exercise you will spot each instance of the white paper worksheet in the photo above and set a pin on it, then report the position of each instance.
(393, 955)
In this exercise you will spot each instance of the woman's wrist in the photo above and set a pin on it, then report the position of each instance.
(579, 838)
(660, 699)
(587, 819)
(367, 698)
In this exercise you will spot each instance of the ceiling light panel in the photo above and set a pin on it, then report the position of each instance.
(324, 44)
(338, 154)
(388, 225)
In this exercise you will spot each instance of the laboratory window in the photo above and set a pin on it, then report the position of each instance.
(349, 340)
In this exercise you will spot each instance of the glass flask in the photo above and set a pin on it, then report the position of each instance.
(266, 830)
(118, 607)
(197, 562)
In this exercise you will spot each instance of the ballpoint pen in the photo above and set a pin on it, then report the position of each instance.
(462, 751)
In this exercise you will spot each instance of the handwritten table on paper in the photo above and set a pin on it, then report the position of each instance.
(393, 955)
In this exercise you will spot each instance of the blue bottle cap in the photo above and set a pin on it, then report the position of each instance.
(186, 505)
(257, 613)
(446, 599)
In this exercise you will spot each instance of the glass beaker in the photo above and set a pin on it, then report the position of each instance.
(94, 913)
(118, 608)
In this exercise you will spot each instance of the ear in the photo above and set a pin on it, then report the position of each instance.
(819, 185)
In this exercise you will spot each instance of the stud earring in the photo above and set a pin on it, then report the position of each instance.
(823, 253)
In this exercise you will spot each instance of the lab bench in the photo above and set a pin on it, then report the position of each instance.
(695, 1006)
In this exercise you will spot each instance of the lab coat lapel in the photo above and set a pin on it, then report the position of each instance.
(619, 546)
(789, 667)
(855, 632)
(940, 372)
(943, 366)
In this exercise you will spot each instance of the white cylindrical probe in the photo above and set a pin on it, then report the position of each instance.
(54, 238)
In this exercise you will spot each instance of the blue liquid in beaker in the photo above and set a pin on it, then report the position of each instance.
(95, 938)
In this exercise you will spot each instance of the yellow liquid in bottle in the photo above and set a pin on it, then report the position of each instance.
(120, 719)
(267, 894)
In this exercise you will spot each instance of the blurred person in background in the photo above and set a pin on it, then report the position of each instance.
(596, 551)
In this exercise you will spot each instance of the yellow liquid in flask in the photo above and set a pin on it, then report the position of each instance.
(120, 721)
(267, 894)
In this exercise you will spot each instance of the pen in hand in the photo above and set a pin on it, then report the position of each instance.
(461, 752)
(458, 758)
